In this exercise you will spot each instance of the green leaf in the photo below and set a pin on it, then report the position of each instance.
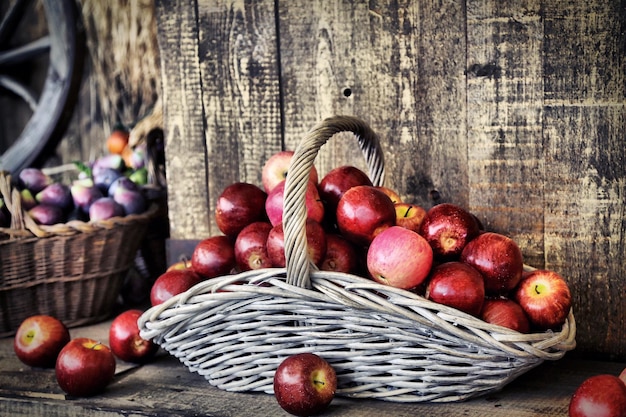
(82, 167)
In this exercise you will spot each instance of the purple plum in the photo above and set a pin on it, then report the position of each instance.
(133, 201)
(124, 183)
(138, 156)
(56, 194)
(110, 161)
(105, 208)
(46, 214)
(84, 193)
(34, 179)
(104, 178)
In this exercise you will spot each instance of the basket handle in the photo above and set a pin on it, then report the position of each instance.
(13, 201)
(294, 207)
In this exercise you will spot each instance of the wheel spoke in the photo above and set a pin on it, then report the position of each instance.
(25, 52)
(20, 90)
(12, 19)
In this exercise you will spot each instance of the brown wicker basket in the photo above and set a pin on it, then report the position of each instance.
(73, 271)
(384, 343)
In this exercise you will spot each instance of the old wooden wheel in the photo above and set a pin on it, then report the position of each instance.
(60, 51)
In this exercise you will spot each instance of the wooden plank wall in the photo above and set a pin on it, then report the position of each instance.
(515, 110)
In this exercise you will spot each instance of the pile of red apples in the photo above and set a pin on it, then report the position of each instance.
(352, 226)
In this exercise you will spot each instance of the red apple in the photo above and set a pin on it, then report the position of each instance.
(213, 256)
(39, 339)
(125, 341)
(448, 228)
(184, 264)
(497, 258)
(410, 216)
(251, 247)
(315, 238)
(506, 313)
(545, 298)
(339, 180)
(392, 194)
(341, 255)
(304, 384)
(171, 283)
(275, 170)
(238, 205)
(399, 257)
(457, 285)
(602, 395)
(274, 203)
(85, 367)
(363, 212)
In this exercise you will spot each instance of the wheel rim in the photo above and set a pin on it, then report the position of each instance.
(51, 109)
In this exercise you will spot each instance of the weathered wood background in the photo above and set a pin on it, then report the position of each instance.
(515, 110)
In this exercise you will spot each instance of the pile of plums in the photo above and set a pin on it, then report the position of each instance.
(106, 188)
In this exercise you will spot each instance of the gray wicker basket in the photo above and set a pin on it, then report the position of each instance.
(384, 342)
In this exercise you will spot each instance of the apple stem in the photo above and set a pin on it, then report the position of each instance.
(406, 214)
(317, 382)
(537, 289)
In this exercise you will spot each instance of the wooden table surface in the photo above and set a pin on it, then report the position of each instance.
(166, 388)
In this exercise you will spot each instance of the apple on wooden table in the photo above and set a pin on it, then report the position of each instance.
(39, 339)
(602, 395)
(84, 367)
(125, 341)
(304, 384)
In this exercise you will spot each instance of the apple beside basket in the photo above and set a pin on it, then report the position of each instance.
(383, 342)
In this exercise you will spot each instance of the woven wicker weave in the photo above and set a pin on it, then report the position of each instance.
(73, 271)
(384, 343)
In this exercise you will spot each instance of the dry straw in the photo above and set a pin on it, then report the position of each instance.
(384, 343)
(121, 37)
